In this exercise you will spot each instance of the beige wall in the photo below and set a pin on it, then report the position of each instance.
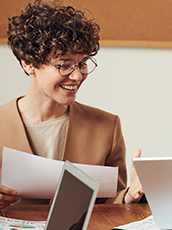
(135, 83)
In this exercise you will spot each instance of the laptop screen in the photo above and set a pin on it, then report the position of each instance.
(155, 174)
(71, 204)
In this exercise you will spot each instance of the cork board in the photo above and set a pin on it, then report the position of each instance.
(126, 23)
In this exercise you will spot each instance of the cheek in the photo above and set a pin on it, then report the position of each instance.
(50, 78)
(84, 77)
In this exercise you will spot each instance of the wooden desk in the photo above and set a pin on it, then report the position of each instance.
(104, 216)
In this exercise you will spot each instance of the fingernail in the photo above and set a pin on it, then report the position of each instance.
(13, 192)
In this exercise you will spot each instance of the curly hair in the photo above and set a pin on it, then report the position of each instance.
(46, 29)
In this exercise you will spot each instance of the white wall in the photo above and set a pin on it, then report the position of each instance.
(134, 83)
(13, 81)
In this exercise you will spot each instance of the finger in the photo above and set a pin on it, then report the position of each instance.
(4, 203)
(7, 198)
(137, 153)
(6, 190)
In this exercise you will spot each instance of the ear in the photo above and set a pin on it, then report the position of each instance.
(29, 69)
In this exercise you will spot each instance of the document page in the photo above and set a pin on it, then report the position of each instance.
(145, 224)
(37, 177)
(14, 224)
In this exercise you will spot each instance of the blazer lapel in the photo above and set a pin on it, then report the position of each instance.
(71, 148)
(15, 129)
(79, 146)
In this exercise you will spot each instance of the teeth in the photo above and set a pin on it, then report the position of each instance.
(69, 87)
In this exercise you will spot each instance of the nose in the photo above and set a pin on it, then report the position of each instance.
(76, 74)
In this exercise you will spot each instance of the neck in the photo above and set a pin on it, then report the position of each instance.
(37, 111)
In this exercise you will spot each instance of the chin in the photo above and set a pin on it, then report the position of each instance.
(68, 102)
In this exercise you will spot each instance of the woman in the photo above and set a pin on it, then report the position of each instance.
(55, 46)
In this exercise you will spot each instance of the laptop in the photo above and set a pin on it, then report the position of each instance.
(73, 200)
(155, 175)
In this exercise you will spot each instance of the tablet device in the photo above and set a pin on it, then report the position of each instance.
(155, 175)
(73, 200)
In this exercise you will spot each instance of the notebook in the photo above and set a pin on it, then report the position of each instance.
(73, 201)
(155, 175)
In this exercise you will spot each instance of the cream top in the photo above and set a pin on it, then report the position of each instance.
(47, 138)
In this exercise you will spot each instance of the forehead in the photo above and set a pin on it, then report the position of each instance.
(68, 55)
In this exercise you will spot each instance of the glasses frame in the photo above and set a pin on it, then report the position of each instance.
(74, 67)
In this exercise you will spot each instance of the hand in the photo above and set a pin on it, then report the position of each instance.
(7, 196)
(135, 191)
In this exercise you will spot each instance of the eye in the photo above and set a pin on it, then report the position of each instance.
(84, 62)
(68, 64)
(83, 65)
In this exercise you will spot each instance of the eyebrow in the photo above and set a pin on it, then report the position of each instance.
(64, 59)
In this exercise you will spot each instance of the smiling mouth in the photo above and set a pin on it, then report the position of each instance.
(67, 87)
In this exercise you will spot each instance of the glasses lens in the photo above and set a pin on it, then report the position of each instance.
(88, 66)
(67, 67)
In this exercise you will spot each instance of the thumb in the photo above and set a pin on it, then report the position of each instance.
(137, 153)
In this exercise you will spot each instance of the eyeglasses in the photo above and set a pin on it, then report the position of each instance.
(86, 67)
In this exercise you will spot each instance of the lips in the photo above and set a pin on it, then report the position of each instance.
(69, 87)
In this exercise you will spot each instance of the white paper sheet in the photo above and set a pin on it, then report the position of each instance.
(37, 177)
(145, 224)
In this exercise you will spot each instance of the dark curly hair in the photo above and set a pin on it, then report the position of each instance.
(48, 29)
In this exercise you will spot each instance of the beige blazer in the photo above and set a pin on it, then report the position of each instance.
(93, 137)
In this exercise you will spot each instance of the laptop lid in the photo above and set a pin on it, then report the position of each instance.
(155, 175)
(73, 200)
